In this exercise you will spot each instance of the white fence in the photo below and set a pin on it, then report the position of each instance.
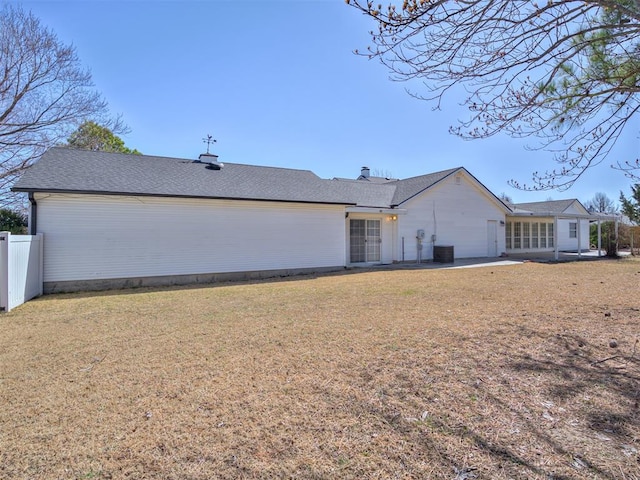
(20, 269)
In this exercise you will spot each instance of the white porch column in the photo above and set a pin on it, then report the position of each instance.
(555, 237)
(599, 239)
(579, 239)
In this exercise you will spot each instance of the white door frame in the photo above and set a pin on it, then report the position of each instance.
(492, 238)
(371, 244)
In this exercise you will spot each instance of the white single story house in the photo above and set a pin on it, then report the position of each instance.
(113, 220)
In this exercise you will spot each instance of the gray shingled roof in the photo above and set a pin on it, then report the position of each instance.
(67, 170)
(548, 207)
(410, 187)
(384, 192)
(364, 193)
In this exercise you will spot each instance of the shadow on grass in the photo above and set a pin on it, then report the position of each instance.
(573, 368)
(545, 447)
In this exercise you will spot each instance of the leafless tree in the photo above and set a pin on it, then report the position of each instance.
(601, 203)
(381, 172)
(565, 72)
(505, 198)
(44, 94)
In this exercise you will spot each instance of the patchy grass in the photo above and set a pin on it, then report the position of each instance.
(494, 373)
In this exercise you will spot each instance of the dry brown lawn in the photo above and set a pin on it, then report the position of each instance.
(489, 373)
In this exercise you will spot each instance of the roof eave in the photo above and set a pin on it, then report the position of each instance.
(561, 215)
(170, 195)
(383, 210)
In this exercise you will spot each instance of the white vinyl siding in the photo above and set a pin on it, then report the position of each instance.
(100, 237)
(566, 241)
(457, 213)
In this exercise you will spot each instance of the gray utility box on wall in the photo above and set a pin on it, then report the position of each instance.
(443, 253)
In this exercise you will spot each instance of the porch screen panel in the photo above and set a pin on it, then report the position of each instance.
(534, 235)
(508, 234)
(550, 234)
(543, 235)
(525, 234)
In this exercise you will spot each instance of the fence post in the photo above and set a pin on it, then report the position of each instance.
(4, 270)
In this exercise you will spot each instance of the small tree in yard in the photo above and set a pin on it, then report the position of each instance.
(631, 205)
(11, 221)
(625, 233)
(95, 137)
(631, 208)
(608, 237)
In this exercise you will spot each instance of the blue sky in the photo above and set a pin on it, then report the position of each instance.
(277, 83)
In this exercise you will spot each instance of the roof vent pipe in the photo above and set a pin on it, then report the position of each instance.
(365, 172)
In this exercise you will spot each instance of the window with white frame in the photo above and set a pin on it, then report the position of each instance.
(573, 230)
(529, 235)
(534, 235)
(526, 235)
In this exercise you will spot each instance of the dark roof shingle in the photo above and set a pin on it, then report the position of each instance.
(548, 207)
(67, 170)
(410, 187)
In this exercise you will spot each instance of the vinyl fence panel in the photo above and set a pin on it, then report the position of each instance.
(20, 269)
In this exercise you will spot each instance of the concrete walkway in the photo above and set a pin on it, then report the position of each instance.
(544, 257)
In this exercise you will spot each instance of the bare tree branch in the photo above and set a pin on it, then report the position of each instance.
(564, 72)
(44, 94)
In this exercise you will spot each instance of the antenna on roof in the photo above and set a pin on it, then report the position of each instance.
(209, 140)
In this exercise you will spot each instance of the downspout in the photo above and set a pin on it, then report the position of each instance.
(33, 215)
